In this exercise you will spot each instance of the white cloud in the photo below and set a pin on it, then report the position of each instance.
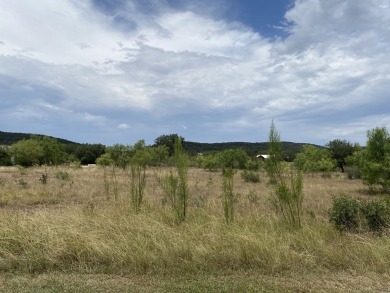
(68, 60)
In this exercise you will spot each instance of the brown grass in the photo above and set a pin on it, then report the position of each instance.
(68, 232)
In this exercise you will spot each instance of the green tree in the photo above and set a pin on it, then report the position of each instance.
(5, 159)
(374, 160)
(168, 141)
(53, 151)
(120, 154)
(314, 159)
(26, 152)
(86, 153)
(233, 158)
(340, 150)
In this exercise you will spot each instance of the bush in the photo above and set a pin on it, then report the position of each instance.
(376, 214)
(353, 172)
(250, 176)
(344, 213)
(63, 175)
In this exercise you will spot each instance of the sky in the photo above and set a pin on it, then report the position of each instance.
(105, 71)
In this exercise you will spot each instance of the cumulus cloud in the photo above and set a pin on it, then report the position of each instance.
(166, 69)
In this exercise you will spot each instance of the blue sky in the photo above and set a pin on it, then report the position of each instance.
(101, 71)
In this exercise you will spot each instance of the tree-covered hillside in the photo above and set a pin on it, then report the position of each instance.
(290, 149)
(9, 138)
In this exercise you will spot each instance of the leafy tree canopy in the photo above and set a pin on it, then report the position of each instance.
(374, 160)
(27, 152)
(314, 159)
(340, 150)
(168, 141)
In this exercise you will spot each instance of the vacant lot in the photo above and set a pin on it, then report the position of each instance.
(61, 231)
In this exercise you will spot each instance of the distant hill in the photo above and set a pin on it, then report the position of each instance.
(290, 149)
(9, 138)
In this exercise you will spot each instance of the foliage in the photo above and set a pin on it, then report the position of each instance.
(233, 158)
(314, 159)
(344, 213)
(43, 178)
(175, 186)
(377, 214)
(63, 175)
(120, 154)
(210, 162)
(250, 176)
(287, 186)
(168, 140)
(104, 161)
(53, 151)
(353, 172)
(340, 150)
(138, 173)
(27, 152)
(374, 160)
(5, 159)
(348, 214)
(228, 196)
(85, 153)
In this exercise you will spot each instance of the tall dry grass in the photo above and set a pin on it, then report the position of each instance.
(69, 225)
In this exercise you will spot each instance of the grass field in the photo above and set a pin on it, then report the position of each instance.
(67, 236)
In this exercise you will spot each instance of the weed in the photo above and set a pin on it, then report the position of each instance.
(43, 178)
(175, 186)
(353, 172)
(287, 186)
(253, 198)
(228, 197)
(138, 182)
(250, 176)
(63, 175)
(22, 183)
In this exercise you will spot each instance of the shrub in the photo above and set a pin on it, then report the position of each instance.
(43, 178)
(287, 187)
(353, 172)
(250, 176)
(63, 175)
(175, 186)
(344, 213)
(376, 214)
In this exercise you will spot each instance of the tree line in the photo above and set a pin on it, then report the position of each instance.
(371, 163)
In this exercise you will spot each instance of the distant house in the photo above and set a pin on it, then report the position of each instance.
(262, 157)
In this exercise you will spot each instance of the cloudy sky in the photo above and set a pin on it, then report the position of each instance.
(116, 71)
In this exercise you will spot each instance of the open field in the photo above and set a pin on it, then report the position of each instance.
(68, 236)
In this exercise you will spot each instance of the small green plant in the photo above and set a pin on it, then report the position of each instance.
(63, 175)
(228, 196)
(253, 198)
(344, 213)
(377, 215)
(22, 183)
(2, 182)
(250, 176)
(43, 178)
